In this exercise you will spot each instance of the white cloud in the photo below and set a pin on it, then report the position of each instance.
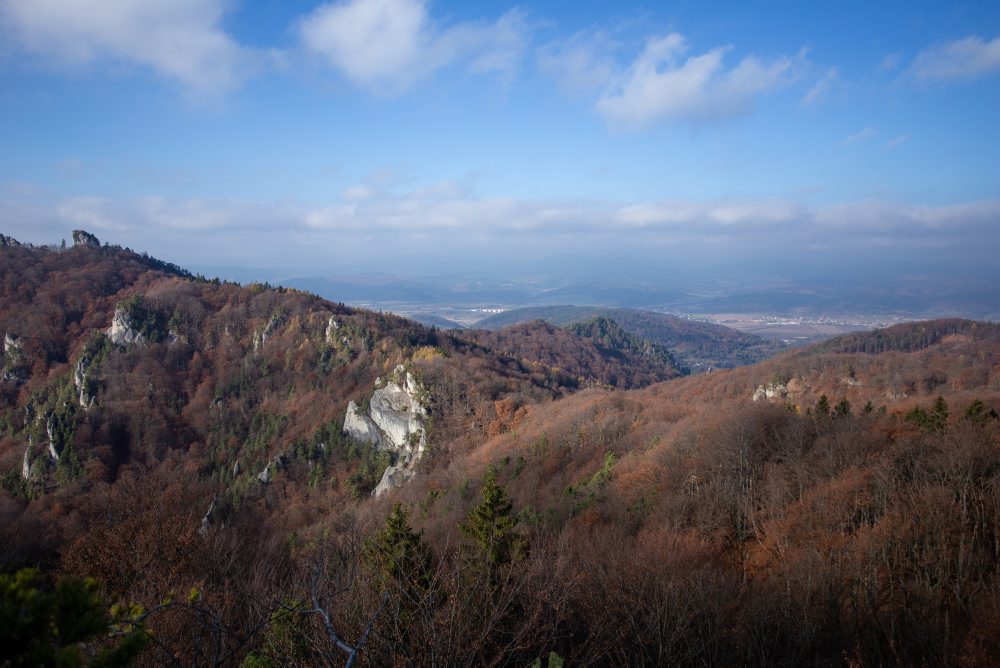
(179, 39)
(822, 88)
(447, 224)
(388, 45)
(968, 58)
(582, 63)
(897, 141)
(663, 84)
(864, 134)
(879, 218)
(890, 62)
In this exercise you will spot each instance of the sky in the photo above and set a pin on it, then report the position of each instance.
(410, 137)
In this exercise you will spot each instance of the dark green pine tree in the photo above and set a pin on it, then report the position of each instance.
(64, 626)
(823, 407)
(490, 526)
(940, 412)
(397, 555)
(976, 412)
(400, 561)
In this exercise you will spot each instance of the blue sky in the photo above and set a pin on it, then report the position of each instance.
(411, 137)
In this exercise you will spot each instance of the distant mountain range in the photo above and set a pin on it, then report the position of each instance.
(908, 297)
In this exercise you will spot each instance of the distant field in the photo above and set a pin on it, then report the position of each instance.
(792, 330)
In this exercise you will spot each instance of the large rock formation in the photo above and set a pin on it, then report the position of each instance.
(278, 463)
(27, 464)
(80, 380)
(360, 427)
(13, 370)
(770, 391)
(81, 238)
(56, 444)
(397, 410)
(395, 422)
(260, 335)
(123, 330)
(331, 330)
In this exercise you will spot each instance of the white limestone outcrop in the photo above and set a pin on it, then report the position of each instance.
(770, 391)
(260, 335)
(331, 330)
(124, 332)
(278, 463)
(13, 370)
(395, 422)
(27, 464)
(83, 390)
(55, 441)
(82, 238)
(360, 427)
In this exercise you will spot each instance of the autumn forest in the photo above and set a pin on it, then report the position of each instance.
(178, 486)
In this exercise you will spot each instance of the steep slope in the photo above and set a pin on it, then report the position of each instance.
(604, 356)
(698, 345)
(703, 520)
(911, 336)
(115, 361)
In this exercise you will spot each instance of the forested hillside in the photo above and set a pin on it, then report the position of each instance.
(175, 470)
(596, 353)
(698, 345)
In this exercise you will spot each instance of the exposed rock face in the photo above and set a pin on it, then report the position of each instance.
(770, 391)
(13, 360)
(395, 422)
(206, 520)
(393, 477)
(399, 414)
(123, 332)
(83, 389)
(260, 336)
(331, 330)
(55, 440)
(360, 427)
(81, 238)
(27, 465)
(279, 463)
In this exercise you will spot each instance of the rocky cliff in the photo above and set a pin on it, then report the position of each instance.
(394, 421)
(83, 238)
(124, 330)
